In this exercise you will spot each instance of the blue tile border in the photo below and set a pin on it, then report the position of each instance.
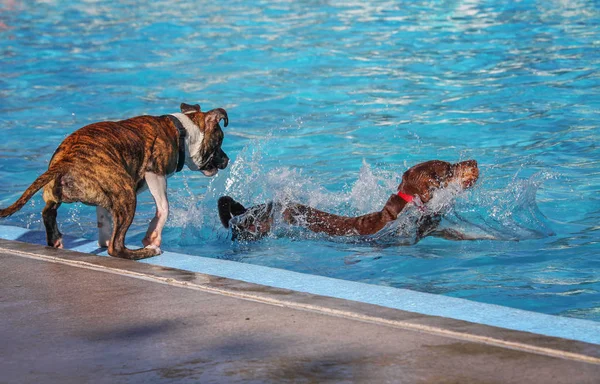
(403, 299)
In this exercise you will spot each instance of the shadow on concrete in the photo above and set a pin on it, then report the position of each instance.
(39, 237)
(128, 334)
(250, 360)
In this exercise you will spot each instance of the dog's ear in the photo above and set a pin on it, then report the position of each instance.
(414, 185)
(212, 118)
(186, 108)
(423, 192)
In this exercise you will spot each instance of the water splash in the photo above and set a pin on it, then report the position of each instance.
(373, 187)
(405, 229)
(509, 213)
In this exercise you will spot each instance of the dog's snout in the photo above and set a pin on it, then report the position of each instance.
(468, 172)
(222, 161)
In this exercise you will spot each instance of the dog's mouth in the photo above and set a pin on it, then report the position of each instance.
(470, 177)
(209, 172)
(468, 173)
(208, 168)
(214, 162)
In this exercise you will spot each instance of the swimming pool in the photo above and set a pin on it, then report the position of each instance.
(328, 104)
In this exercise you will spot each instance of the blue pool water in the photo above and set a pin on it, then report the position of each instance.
(329, 102)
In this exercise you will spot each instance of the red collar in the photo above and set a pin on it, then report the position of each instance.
(412, 199)
(405, 197)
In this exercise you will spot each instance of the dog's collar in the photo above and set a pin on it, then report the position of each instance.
(182, 133)
(405, 197)
(412, 199)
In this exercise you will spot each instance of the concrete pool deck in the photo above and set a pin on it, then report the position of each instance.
(73, 317)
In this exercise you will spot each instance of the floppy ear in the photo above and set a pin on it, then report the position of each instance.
(186, 108)
(415, 186)
(212, 118)
(409, 188)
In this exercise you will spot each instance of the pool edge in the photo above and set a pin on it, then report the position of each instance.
(396, 298)
(447, 327)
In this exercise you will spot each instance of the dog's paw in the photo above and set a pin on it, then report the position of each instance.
(155, 248)
(152, 239)
(58, 243)
(103, 243)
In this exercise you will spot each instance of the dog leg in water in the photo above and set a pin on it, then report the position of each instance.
(452, 234)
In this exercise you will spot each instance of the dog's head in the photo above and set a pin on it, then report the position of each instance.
(203, 152)
(423, 179)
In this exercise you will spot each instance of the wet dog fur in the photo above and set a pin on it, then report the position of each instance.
(419, 182)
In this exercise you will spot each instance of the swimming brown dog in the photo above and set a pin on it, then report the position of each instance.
(107, 163)
(419, 181)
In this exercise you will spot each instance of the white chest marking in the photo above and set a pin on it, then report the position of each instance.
(193, 138)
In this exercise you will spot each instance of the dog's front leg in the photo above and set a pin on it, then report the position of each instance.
(157, 184)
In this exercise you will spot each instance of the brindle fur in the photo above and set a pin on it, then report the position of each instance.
(103, 164)
(421, 180)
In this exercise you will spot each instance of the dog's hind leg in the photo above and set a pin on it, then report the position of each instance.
(104, 226)
(52, 199)
(122, 209)
(53, 235)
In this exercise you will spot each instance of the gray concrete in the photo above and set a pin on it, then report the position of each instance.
(68, 317)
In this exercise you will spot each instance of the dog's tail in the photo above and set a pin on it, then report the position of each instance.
(42, 180)
(229, 208)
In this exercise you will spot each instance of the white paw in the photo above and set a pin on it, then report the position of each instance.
(156, 248)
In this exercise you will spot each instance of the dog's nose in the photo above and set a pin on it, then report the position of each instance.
(224, 161)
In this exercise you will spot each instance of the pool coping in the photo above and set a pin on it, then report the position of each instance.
(332, 306)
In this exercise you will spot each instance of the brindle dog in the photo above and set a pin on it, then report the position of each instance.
(107, 163)
(420, 181)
